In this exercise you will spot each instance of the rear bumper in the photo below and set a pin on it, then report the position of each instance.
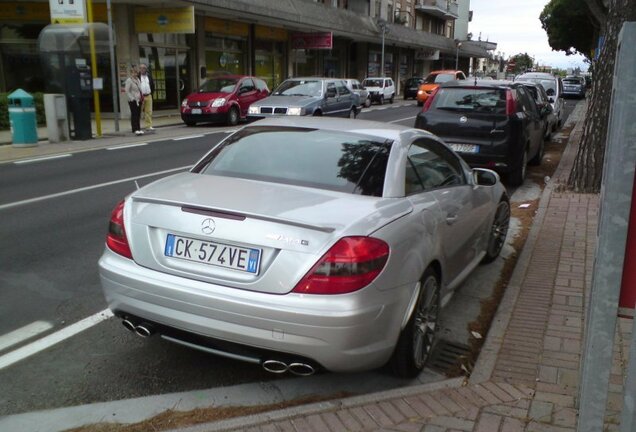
(341, 333)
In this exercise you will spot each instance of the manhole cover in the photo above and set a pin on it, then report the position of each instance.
(448, 357)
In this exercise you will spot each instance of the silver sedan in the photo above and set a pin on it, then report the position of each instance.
(305, 244)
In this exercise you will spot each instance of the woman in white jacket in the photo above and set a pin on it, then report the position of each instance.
(135, 98)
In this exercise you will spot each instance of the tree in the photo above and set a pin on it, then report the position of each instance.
(522, 63)
(587, 172)
(570, 27)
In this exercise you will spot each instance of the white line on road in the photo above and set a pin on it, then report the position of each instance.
(24, 333)
(87, 188)
(53, 339)
(188, 137)
(41, 159)
(125, 146)
(401, 120)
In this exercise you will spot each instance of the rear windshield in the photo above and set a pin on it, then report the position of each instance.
(471, 99)
(339, 161)
(548, 84)
(572, 81)
(438, 78)
(373, 83)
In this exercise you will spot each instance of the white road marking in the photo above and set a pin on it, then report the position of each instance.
(53, 339)
(125, 146)
(188, 137)
(41, 159)
(87, 188)
(24, 333)
(401, 120)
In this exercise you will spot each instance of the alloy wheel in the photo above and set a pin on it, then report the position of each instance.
(499, 230)
(425, 323)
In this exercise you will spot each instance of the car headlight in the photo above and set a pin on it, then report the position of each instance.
(295, 111)
(253, 110)
(420, 92)
(184, 103)
(218, 102)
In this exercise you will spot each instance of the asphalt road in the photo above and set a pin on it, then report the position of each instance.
(54, 216)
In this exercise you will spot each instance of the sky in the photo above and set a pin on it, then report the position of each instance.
(514, 25)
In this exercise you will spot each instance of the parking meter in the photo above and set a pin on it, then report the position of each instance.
(79, 88)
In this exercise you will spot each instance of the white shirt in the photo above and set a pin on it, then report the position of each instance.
(145, 84)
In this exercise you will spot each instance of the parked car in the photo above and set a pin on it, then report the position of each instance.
(433, 80)
(336, 248)
(380, 89)
(357, 88)
(554, 89)
(411, 86)
(543, 104)
(311, 96)
(492, 124)
(223, 98)
(574, 86)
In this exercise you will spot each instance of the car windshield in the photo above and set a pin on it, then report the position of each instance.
(438, 78)
(372, 83)
(219, 85)
(299, 88)
(339, 161)
(471, 99)
(572, 81)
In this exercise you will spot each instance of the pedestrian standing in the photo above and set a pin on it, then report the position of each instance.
(135, 99)
(147, 87)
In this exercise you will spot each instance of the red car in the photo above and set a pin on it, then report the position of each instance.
(223, 99)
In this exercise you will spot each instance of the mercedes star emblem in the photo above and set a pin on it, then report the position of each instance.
(463, 119)
(208, 226)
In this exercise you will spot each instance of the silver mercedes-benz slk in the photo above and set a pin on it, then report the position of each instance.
(305, 244)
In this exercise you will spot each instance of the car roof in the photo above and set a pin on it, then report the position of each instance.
(389, 131)
(480, 83)
(444, 71)
(536, 75)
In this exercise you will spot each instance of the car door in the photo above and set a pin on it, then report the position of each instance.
(535, 126)
(346, 99)
(247, 95)
(434, 170)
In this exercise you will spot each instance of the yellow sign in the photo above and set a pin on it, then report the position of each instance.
(164, 20)
(270, 33)
(215, 25)
(33, 12)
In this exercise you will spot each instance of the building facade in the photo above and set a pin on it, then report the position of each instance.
(184, 42)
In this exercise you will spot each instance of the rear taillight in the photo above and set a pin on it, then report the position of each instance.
(116, 239)
(511, 106)
(351, 264)
(429, 101)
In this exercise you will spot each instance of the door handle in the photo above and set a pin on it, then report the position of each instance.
(451, 219)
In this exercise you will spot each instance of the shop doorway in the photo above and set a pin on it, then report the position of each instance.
(170, 69)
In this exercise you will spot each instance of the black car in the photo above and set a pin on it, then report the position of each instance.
(410, 87)
(543, 103)
(492, 124)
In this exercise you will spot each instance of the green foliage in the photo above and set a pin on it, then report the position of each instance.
(523, 62)
(569, 27)
(38, 100)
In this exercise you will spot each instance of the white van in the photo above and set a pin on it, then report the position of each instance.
(380, 89)
(553, 86)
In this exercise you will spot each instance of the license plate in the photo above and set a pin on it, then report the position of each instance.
(196, 110)
(213, 253)
(465, 148)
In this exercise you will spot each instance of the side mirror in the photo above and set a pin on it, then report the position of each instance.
(485, 177)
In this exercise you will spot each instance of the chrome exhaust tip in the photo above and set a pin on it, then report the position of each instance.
(275, 366)
(144, 330)
(302, 369)
(128, 324)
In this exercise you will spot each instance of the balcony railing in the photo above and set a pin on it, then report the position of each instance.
(444, 9)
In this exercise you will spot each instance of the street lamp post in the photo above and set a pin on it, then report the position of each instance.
(457, 45)
(384, 30)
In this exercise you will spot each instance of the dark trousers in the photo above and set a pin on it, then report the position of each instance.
(135, 114)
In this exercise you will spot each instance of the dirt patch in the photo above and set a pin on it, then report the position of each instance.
(540, 175)
(172, 419)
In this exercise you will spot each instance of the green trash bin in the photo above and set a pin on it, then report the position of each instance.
(22, 119)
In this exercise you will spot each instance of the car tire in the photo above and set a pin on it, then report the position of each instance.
(391, 99)
(317, 114)
(353, 113)
(536, 160)
(498, 232)
(418, 338)
(381, 100)
(191, 123)
(516, 177)
(233, 116)
(367, 102)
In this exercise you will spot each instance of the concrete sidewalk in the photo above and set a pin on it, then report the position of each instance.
(526, 377)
